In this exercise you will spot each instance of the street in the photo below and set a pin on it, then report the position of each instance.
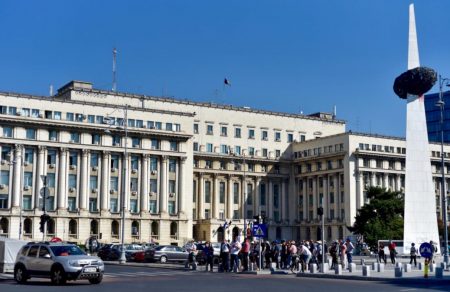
(119, 278)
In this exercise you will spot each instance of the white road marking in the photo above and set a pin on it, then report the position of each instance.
(412, 289)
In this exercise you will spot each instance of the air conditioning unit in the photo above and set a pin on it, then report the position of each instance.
(26, 163)
(144, 126)
(26, 188)
(4, 161)
(152, 194)
(18, 113)
(113, 169)
(278, 139)
(96, 142)
(207, 166)
(51, 165)
(134, 193)
(2, 186)
(153, 148)
(73, 166)
(71, 190)
(154, 172)
(52, 138)
(171, 195)
(265, 138)
(152, 127)
(94, 168)
(116, 144)
(134, 170)
(41, 116)
(94, 190)
(72, 141)
(112, 191)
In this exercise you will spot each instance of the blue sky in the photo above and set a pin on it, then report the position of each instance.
(290, 56)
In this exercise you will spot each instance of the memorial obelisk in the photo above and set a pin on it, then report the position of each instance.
(420, 221)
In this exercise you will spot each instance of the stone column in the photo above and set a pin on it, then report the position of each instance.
(315, 197)
(40, 171)
(257, 198)
(144, 183)
(305, 199)
(17, 186)
(230, 202)
(399, 182)
(126, 188)
(84, 185)
(373, 181)
(163, 184)
(105, 167)
(201, 197)
(243, 198)
(62, 189)
(181, 191)
(270, 200)
(215, 197)
(284, 201)
(337, 196)
(385, 181)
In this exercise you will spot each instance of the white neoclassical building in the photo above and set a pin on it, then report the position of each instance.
(190, 168)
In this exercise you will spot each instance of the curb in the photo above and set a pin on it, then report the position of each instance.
(370, 278)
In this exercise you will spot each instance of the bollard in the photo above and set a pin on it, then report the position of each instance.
(352, 268)
(420, 266)
(407, 268)
(273, 267)
(380, 268)
(398, 265)
(375, 266)
(330, 262)
(363, 262)
(398, 272)
(439, 272)
(366, 271)
(313, 268)
(432, 268)
(425, 269)
(338, 270)
(324, 268)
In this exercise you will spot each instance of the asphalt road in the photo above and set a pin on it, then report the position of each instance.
(118, 278)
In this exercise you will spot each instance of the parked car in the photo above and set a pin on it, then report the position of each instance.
(131, 250)
(58, 261)
(166, 253)
(201, 258)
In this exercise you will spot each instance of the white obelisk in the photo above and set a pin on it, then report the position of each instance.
(420, 198)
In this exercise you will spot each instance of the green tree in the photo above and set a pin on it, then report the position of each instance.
(381, 218)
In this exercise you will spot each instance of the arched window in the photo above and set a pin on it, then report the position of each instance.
(115, 228)
(173, 229)
(4, 224)
(278, 232)
(155, 228)
(135, 228)
(73, 230)
(329, 233)
(220, 234)
(341, 232)
(27, 226)
(51, 227)
(94, 227)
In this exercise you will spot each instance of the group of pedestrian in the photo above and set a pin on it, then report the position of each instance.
(247, 255)
(392, 247)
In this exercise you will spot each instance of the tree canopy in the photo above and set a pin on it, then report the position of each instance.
(381, 218)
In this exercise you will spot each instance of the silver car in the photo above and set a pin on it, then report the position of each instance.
(58, 261)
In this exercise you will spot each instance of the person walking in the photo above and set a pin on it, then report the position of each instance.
(413, 254)
(225, 255)
(235, 249)
(306, 255)
(244, 254)
(381, 254)
(293, 255)
(349, 250)
(392, 251)
(334, 254)
(209, 255)
(343, 254)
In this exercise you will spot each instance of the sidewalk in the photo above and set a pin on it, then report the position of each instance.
(147, 265)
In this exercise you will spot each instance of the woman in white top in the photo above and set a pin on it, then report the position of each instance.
(305, 256)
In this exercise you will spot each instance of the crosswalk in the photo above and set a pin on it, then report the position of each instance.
(144, 274)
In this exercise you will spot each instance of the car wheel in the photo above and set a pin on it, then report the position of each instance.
(97, 280)
(20, 275)
(58, 276)
(163, 259)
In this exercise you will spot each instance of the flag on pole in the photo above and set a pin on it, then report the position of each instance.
(227, 82)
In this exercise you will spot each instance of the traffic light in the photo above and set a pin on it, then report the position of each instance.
(263, 218)
(44, 219)
(256, 219)
(320, 211)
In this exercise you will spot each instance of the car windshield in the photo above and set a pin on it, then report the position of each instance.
(66, 250)
(159, 247)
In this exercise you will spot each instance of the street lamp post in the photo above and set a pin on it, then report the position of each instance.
(123, 258)
(441, 105)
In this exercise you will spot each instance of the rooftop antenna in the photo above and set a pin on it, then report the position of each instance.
(114, 81)
(334, 112)
(51, 89)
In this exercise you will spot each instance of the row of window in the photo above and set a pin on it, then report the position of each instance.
(92, 119)
(308, 167)
(251, 133)
(53, 135)
(208, 164)
(319, 150)
(227, 149)
(380, 148)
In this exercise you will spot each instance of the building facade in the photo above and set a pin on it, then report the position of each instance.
(182, 169)
(433, 116)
